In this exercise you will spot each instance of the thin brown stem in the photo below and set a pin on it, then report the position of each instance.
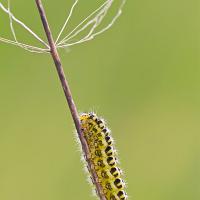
(69, 98)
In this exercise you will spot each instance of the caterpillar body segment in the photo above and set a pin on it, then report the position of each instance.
(103, 156)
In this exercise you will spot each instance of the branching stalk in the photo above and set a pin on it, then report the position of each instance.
(68, 96)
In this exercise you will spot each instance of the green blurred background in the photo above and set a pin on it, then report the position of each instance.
(142, 76)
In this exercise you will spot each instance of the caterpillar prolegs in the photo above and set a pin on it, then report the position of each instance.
(103, 156)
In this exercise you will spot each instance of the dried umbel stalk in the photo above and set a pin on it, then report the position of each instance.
(92, 21)
(89, 24)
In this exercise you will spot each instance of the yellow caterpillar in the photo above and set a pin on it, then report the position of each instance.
(103, 156)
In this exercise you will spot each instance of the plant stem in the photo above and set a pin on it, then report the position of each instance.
(68, 95)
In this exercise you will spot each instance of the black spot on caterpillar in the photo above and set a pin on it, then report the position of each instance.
(103, 156)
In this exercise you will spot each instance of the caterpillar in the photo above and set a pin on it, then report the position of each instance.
(103, 156)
